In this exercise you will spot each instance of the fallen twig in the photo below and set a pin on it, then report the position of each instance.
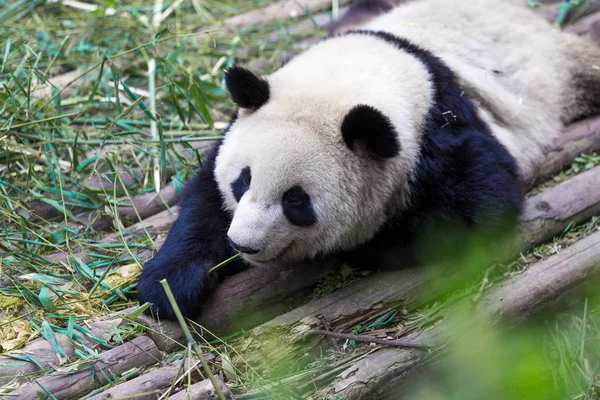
(369, 339)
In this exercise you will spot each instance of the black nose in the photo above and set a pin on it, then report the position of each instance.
(243, 249)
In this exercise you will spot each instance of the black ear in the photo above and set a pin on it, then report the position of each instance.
(246, 89)
(366, 127)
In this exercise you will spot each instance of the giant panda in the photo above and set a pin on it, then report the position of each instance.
(434, 111)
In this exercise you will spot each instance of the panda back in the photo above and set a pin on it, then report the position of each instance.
(512, 63)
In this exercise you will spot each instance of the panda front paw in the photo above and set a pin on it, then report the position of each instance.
(188, 284)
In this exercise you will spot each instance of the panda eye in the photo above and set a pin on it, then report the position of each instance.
(297, 207)
(295, 197)
(246, 178)
(241, 184)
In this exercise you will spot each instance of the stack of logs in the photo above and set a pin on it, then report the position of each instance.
(278, 337)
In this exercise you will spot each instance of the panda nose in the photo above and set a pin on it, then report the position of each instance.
(243, 249)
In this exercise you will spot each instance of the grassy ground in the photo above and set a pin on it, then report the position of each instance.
(86, 125)
(97, 108)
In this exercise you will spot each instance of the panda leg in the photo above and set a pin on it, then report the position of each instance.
(197, 242)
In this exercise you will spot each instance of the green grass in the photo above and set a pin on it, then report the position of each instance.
(79, 103)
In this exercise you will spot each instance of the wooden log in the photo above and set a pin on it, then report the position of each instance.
(145, 387)
(42, 352)
(157, 223)
(588, 27)
(383, 372)
(573, 201)
(277, 10)
(580, 137)
(245, 300)
(148, 204)
(155, 383)
(576, 14)
(140, 352)
(203, 391)
(255, 295)
(541, 284)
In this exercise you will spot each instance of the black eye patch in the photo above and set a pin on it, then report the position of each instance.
(241, 184)
(297, 207)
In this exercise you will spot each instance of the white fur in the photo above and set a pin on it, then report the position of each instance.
(295, 139)
(511, 61)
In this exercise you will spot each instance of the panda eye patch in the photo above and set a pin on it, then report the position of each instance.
(295, 197)
(297, 207)
(241, 184)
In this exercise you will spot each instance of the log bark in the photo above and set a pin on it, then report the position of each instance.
(157, 223)
(278, 10)
(155, 383)
(255, 295)
(203, 391)
(573, 201)
(43, 353)
(148, 204)
(146, 387)
(588, 27)
(580, 137)
(383, 372)
(243, 301)
(140, 352)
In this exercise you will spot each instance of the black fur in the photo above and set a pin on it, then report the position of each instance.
(246, 89)
(241, 184)
(464, 177)
(297, 207)
(366, 127)
(197, 242)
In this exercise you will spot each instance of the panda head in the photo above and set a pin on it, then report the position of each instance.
(306, 170)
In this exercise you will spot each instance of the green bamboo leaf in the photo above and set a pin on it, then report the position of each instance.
(24, 358)
(163, 149)
(115, 79)
(28, 294)
(201, 103)
(159, 35)
(133, 315)
(178, 51)
(141, 104)
(46, 300)
(86, 162)
(53, 203)
(98, 79)
(44, 279)
(91, 336)
(175, 101)
(47, 333)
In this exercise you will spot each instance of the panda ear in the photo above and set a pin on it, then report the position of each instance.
(246, 89)
(366, 128)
